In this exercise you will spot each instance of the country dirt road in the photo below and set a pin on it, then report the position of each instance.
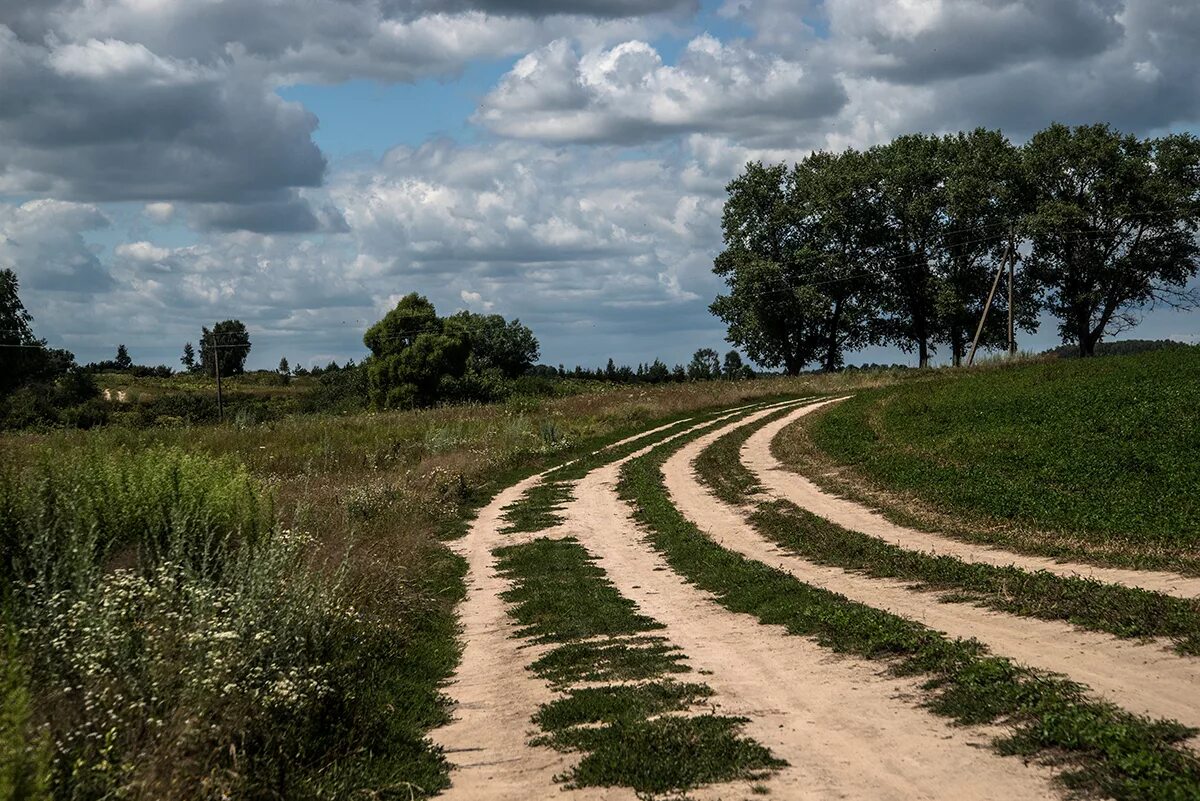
(846, 727)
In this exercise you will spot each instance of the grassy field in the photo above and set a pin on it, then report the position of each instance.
(1092, 459)
(149, 571)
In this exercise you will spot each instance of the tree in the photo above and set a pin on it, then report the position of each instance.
(831, 198)
(984, 193)
(227, 344)
(413, 353)
(24, 358)
(705, 364)
(1114, 228)
(284, 367)
(496, 343)
(658, 372)
(911, 204)
(771, 311)
(731, 369)
(122, 362)
(188, 359)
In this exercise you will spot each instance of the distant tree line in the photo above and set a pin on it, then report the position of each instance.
(901, 244)
(705, 365)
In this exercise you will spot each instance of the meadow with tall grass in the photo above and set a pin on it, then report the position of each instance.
(264, 610)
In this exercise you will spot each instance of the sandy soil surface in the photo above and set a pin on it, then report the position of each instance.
(488, 741)
(799, 490)
(847, 730)
(495, 695)
(1144, 678)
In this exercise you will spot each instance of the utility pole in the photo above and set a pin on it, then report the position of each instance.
(1012, 341)
(217, 369)
(988, 305)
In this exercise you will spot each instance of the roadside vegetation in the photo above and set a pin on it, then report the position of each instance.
(1091, 459)
(142, 564)
(1097, 747)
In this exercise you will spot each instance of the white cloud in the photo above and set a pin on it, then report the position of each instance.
(627, 94)
(141, 251)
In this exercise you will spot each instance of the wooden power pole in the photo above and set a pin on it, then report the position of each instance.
(1012, 340)
(217, 369)
(988, 305)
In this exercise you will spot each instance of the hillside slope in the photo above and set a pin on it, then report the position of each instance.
(1103, 450)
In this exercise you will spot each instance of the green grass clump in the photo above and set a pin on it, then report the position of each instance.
(632, 735)
(538, 509)
(666, 754)
(1100, 747)
(562, 595)
(1102, 450)
(620, 703)
(627, 659)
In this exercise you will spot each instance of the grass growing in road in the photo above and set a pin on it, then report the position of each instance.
(538, 508)
(632, 735)
(1090, 458)
(1091, 604)
(1099, 747)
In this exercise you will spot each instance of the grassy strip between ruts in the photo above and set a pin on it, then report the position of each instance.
(639, 735)
(1099, 747)
(538, 508)
(1091, 604)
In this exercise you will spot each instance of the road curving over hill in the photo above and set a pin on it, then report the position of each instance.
(1145, 678)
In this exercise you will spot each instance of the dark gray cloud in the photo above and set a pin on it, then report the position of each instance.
(290, 214)
(923, 41)
(113, 121)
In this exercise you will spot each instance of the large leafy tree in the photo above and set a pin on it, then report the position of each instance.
(985, 193)
(227, 344)
(832, 199)
(496, 343)
(1114, 229)
(911, 204)
(413, 352)
(772, 310)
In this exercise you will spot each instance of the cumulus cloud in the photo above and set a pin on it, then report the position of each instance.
(627, 94)
(603, 245)
(918, 40)
(44, 241)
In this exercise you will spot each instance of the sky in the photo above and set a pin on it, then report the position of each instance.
(300, 165)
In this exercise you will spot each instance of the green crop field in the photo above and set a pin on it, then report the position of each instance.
(1099, 454)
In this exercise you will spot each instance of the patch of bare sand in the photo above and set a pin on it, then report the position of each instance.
(756, 454)
(487, 743)
(846, 729)
(1141, 677)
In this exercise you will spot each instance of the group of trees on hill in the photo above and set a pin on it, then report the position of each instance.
(418, 358)
(900, 244)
